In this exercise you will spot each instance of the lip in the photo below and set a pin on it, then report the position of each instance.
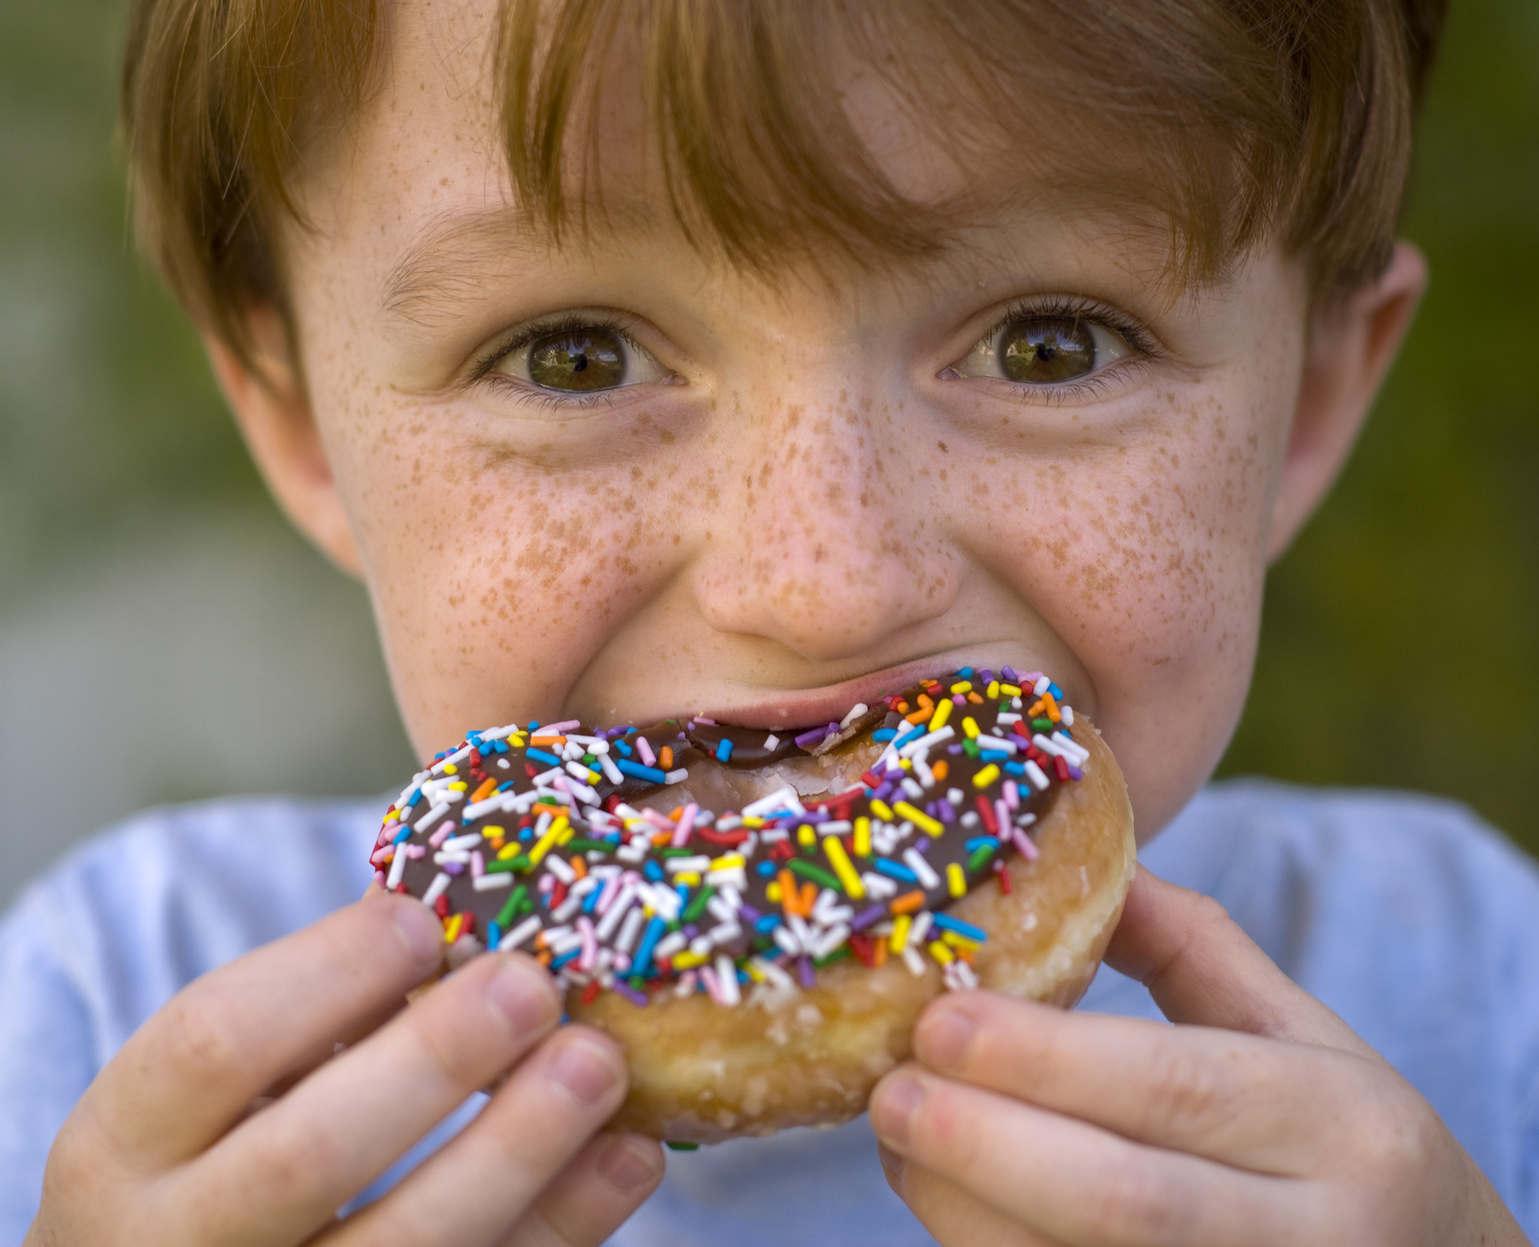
(802, 708)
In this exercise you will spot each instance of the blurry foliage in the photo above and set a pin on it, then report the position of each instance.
(1399, 646)
(1401, 638)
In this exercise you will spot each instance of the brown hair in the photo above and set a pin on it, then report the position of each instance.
(1252, 119)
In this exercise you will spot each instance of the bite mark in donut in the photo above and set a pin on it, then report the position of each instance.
(763, 964)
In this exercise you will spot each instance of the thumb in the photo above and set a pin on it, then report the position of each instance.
(1202, 969)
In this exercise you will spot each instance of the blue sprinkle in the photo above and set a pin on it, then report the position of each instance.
(767, 924)
(501, 746)
(723, 750)
(978, 842)
(565, 957)
(623, 747)
(539, 755)
(649, 773)
(590, 902)
(1055, 691)
(653, 871)
(766, 869)
(493, 934)
(966, 673)
(1016, 768)
(526, 833)
(643, 960)
(965, 929)
(401, 835)
(894, 870)
(533, 723)
(914, 733)
(991, 755)
(884, 734)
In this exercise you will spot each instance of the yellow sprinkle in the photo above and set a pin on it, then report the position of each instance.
(772, 894)
(753, 822)
(452, 928)
(392, 817)
(986, 776)
(960, 942)
(688, 960)
(728, 861)
(941, 953)
(900, 928)
(942, 713)
(956, 881)
(563, 829)
(451, 769)
(970, 727)
(546, 842)
(459, 785)
(907, 764)
(756, 974)
(862, 836)
(491, 833)
(840, 861)
(689, 877)
(593, 777)
(992, 692)
(805, 836)
(962, 686)
(881, 809)
(1010, 690)
(919, 818)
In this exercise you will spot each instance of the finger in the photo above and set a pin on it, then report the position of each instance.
(592, 1197)
(195, 1066)
(951, 1213)
(1214, 1093)
(483, 1182)
(291, 1165)
(1071, 1181)
(1201, 968)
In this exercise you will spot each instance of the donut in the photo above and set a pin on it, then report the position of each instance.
(758, 917)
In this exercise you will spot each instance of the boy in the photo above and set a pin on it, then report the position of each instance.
(745, 358)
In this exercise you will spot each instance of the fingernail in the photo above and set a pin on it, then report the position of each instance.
(584, 1069)
(944, 1038)
(894, 1105)
(419, 930)
(892, 1166)
(522, 993)
(628, 1163)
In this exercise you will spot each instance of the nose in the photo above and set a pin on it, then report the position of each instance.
(828, 541)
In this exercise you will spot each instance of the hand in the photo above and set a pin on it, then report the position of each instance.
(226, 1119)
(1259, 1118)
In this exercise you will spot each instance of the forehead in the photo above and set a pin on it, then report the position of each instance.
(918, 174)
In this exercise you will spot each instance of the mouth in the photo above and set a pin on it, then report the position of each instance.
(814, 707)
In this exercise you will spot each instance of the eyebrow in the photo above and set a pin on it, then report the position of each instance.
(446, 262)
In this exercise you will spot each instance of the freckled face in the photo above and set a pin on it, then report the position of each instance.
(617, 481)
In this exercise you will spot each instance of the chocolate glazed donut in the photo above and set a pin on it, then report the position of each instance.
(758, 917)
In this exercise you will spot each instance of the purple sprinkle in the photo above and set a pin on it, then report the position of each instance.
(986, 677)
(804, 971)
(923, 846)
(639, 999)
(866, 917)
(454, 868)
(811, 737)
(1076, 773)
(885, 791)
(818, 815)
(690, 930)
(944, 812)
(1007, 673)
(932, 808)
(748, 913)
(953, 750)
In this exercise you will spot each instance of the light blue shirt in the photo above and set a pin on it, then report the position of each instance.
(1404, 914)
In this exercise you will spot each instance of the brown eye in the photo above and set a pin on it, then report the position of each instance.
(577, 360)
(1045, 350)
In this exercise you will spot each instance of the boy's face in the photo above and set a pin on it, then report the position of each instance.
(794, 497)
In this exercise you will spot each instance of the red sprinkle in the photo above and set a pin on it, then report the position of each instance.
(1005, 885)
(441, 907)
(1062, 767)
(590, 992)
(986, 813)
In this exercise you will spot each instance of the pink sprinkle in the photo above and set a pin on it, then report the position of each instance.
(644, 748)
(700, 718)
(607, 895)
(958, 699)
(686, 825)
(1012, 795)
(381, 856)
(445, 829)
(1002, 812)
(589, 944)
(557, 729)
(477, 864)
(414, 851)
(1030, 679)
(547, 882)
(379, 877)
(1023, 844)
(712, 983)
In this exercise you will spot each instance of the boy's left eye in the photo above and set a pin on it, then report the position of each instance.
(1044, 350)
(580, 359)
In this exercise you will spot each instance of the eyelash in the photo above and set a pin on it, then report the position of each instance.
(1145, 349)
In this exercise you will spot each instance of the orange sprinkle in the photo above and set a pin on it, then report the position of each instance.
(940, 769)
(879, 954)
(537, 741)
(809, 897)
(1051, 703)
(660, 838)
(917, 717)
(908, 902)
(666, 758)
(579, 865)
(484, 791)
(678, 812)
(790, 894)
(975, 699)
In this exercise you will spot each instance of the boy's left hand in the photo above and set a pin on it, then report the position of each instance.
(1259, 1118)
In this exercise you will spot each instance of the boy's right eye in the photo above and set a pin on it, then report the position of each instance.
(578, 359)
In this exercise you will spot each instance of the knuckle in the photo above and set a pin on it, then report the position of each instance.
(200, 1041)
(1394, 1136)
(1186, 1088)
(1133, 1204)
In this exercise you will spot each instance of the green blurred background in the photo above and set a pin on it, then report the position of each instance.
(150, 595)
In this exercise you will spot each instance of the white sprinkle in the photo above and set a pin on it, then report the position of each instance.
(432, 816)
(616, 911)
(1006, 718)
(726, 976)
(504, 764)
(492, 883)
(520, 934)
(858, 709)
(913, 961)
(397, 869)
(678, 865)
(629, 930)
(785, 798)
(1041, 686)
(669, 944)
(441, 859)
(558, 867)
(787, 941)
(676, 777)
(996, 744)
(611, 771)
(879, 886)
(835, 827)
(578, 771)
(915, 861)
(921, 928)
(954, 795)
(1039, 781)
(911, 786)
(437, 888)
(924, 743)
(1068, 714)
(772, 742)
(568, 908)
(458, 844)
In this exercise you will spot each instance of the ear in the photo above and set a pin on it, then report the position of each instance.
(272, 407)
(1353, 341)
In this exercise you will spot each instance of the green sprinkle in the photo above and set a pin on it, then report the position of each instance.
(839, 954)
(697, 906)
(970, 748)
(580, 845)
(1042, 725)
(817, 874)
(510, 908)
(507, 866)
(680, 853)
(980, 858)
(676, 1146)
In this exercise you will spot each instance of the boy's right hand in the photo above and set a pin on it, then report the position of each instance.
(175, 1142)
